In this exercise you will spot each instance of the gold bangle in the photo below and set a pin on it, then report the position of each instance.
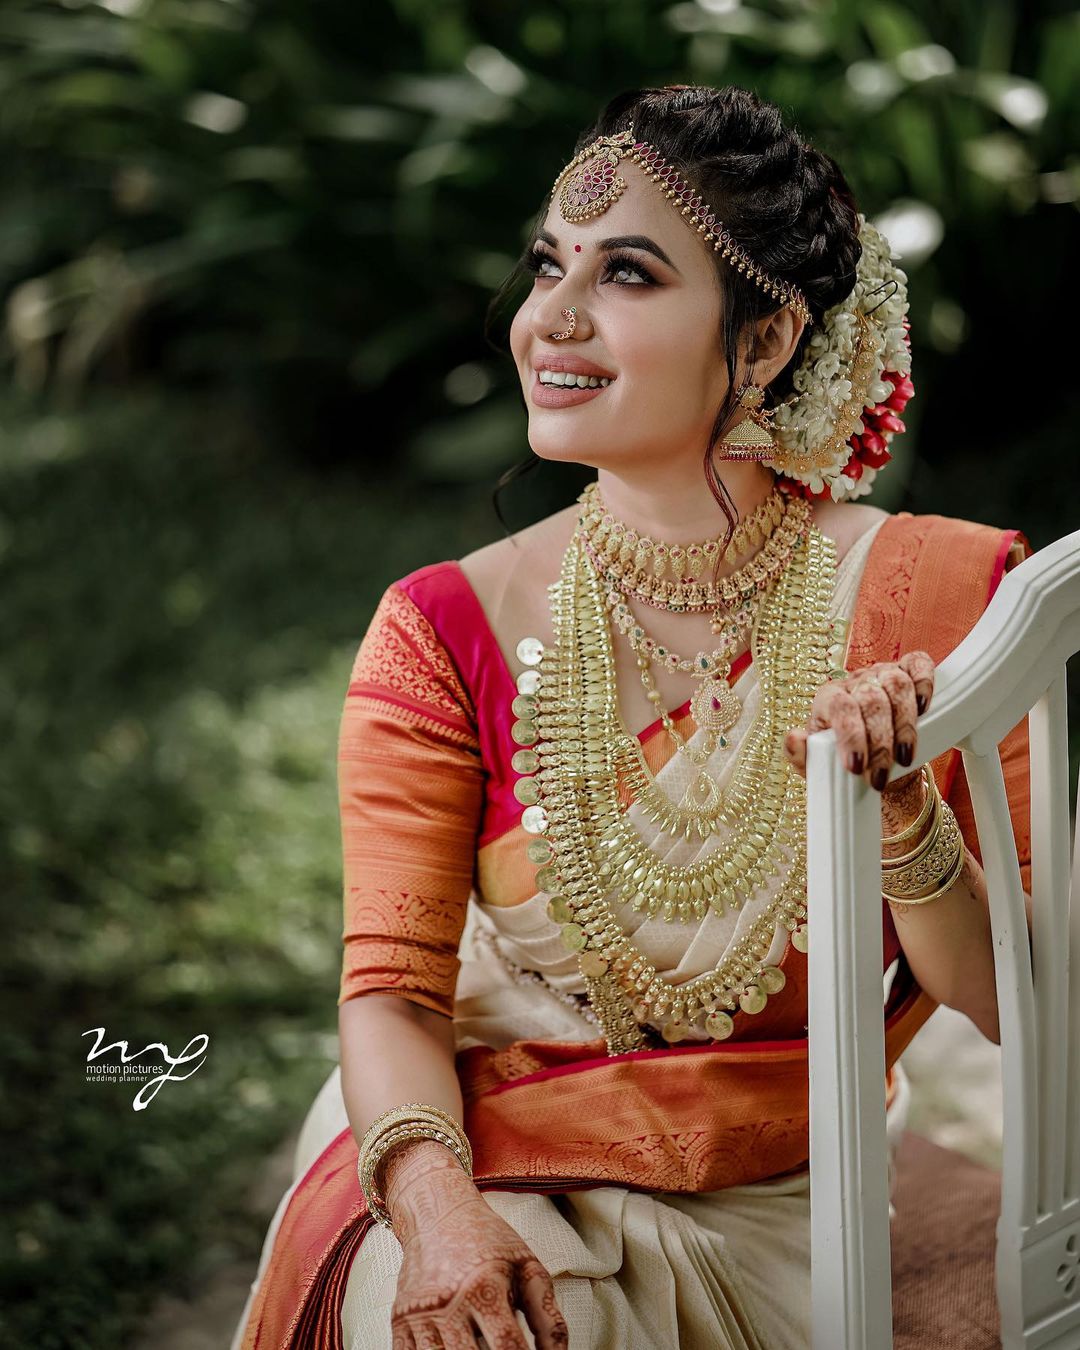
(905, 885)
(408, 1111)
(378, 1137)
(412, 1120)
(946, 885)
(925, 844)
(916, 825)
(388, 1142)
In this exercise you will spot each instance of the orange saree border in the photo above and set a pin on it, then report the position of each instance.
(687, 1118)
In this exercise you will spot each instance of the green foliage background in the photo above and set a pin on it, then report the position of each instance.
(246, 250)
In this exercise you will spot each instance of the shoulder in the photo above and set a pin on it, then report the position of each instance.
(845, 522)
(948, 536)
(527, 555)
(926, 581)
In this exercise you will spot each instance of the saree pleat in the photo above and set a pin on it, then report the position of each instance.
(667, 1190)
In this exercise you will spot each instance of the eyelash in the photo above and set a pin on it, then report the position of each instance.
(615, 261)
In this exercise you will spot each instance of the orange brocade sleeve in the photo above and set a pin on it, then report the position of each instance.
(411, 784)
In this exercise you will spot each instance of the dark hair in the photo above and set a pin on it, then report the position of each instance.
(787, 203)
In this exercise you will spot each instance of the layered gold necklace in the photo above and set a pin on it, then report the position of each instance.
(589, 854)
(639, 567)
(715, 706)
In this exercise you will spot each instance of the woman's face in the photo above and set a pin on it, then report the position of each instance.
(650, 322)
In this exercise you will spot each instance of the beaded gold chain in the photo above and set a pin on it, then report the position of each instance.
(715, 705)
(588, 848)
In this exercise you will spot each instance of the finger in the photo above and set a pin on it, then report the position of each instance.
(875, 709)
(795, 749)
(846, 720)
(489, 1303)
(900, 688)
(920, 666)
(401, 1336)
(427, 1336)
(499, 1331)
(457, 1332)
(820, 718)
(536, 1291)
(821, 710)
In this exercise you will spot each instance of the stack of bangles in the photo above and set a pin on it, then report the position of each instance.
(935, 861)
(411, 1120)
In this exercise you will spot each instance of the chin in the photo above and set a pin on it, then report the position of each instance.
(571, 450)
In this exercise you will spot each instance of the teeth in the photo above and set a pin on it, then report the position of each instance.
(565, 378)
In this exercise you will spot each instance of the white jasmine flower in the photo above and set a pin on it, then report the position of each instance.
(823, 381)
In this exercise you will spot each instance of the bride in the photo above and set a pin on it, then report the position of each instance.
(572, 1100)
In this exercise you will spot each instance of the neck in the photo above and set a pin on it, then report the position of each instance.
(678, 508)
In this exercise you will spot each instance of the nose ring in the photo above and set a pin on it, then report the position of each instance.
(571, 315)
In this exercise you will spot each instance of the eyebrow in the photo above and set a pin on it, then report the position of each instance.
(638, 241)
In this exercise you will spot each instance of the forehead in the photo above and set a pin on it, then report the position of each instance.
(640, 209)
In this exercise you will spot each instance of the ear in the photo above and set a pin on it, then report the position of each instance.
(777, 337)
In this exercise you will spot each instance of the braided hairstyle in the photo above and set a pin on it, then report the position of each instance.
(786, 202)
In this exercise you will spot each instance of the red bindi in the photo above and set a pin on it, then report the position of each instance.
(577, 248)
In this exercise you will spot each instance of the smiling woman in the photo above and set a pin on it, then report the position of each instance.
(572, 1102)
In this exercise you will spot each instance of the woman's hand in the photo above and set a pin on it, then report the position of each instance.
(464, 1269)
(873, 713)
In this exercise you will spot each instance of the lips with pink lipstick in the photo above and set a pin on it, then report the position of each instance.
(561, 381)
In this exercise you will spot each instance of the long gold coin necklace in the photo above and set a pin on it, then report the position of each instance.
(574, 746)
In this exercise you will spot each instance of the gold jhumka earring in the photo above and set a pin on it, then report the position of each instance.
(752, 438)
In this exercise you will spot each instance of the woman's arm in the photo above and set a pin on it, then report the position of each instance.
(948, 943)
(393, 1051)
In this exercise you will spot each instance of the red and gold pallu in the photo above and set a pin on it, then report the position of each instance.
(429, 820)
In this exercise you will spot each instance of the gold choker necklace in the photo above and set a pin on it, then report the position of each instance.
(685, 594)
(616, 543)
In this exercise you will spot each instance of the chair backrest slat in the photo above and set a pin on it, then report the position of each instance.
(1072, 1112)
(1052, 959)
(1015, 992)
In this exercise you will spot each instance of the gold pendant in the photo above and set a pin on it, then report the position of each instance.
(703, 796)
(716, 706)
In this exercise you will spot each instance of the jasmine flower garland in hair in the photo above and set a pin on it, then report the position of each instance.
(835, 431)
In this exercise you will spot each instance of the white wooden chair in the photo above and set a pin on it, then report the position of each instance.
(1011, 663)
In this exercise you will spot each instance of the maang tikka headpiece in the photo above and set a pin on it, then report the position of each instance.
(832, 435)
(590, 184)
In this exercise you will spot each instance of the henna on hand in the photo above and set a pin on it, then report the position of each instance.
(465, 1270)
(873, 712)
(901, 803)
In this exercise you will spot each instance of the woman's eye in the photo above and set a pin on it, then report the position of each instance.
(615, 268)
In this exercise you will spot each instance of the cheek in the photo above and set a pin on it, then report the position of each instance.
(519, 333)
(672, 359)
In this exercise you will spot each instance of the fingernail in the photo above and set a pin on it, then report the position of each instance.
(904, 752)
(920, 702)
(879, 778)
(855, 762)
